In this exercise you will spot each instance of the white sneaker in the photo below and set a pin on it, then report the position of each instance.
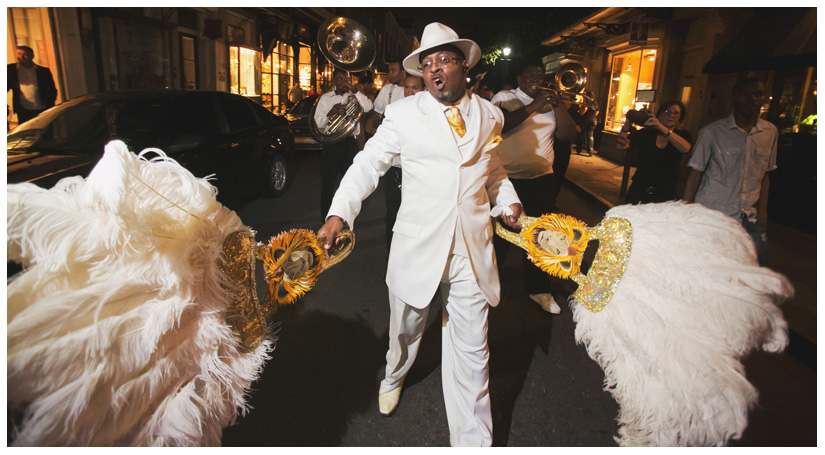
(388, 402)
(547, 302)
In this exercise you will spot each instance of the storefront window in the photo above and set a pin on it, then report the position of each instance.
(305, 67)
(28, 31)
(793, 104)
(277, 77)
(630, 85)
(324, 77)
(244, 71)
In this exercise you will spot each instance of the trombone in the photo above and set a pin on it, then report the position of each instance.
(568, 85)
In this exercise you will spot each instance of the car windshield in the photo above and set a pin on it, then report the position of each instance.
(85, 125)
(304, 106)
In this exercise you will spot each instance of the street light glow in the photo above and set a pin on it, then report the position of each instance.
(506, 51)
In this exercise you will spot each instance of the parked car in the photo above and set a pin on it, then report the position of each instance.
(242, 144)
(298, 117)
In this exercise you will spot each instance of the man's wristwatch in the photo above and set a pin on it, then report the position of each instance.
(668, 133)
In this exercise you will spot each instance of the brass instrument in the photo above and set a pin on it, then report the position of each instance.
(348, 45)
(568, 85)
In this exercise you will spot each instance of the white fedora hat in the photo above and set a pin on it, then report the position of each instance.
(438, 34)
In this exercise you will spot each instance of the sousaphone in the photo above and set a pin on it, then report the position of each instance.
(348, 45)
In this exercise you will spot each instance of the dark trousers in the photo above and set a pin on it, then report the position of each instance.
(759, 233)
(335, 160)
(643, 193)
(538, 197)
(586, 137)
(392, 196)
(24, 115)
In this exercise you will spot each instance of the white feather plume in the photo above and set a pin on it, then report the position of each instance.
(691, 304)
(116, 332)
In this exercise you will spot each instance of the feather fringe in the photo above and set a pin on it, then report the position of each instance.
(691, 304)
(116, 332)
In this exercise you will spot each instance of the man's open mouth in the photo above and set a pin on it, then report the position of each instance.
(438, 82)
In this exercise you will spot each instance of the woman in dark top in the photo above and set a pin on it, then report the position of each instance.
(661, 148)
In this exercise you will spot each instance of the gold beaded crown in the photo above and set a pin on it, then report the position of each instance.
(615, 236)
(292, 262)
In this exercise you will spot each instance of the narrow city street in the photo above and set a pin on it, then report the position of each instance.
(121, 275)
(320, 386)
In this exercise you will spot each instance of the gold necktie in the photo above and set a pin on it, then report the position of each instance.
(454, 117)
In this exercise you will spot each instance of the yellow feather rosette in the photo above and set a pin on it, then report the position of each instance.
(292, 262)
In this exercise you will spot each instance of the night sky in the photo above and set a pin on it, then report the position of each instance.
(491, 26)
(522, 29)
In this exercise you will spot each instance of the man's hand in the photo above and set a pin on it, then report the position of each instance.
(512, 220)
(562, 104)
(330, 230)
(336, 109)
(542, 103)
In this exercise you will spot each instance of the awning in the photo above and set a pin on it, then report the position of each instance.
(774, 38)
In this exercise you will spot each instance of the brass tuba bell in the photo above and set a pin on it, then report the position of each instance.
(348, 45)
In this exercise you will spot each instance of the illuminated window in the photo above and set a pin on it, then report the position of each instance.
(305, 67)
(188, 52)
(277, 77)
(793, 105)
(324, 77)
(632, 72)
(28, 31)
(244, 71)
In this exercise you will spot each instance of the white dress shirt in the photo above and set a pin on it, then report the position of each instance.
(464, 106)
(30, 98)
(389, 93)
(329, 99)
(527, 150)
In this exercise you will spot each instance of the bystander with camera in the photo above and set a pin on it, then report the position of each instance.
(660, 150)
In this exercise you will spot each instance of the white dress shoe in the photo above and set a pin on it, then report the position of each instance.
(387, 402)
(547, 302)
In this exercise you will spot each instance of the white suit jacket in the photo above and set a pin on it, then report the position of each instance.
(440, 188)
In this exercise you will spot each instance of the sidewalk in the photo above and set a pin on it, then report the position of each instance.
(793, 252)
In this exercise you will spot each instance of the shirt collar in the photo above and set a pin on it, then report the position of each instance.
(731, 125)
(463, 105)
(520, 93)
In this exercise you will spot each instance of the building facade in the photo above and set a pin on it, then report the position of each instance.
(641, 57)
(255, 52)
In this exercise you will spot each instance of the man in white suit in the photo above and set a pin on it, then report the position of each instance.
(442, 244)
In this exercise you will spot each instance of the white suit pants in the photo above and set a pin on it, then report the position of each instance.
(464, 352)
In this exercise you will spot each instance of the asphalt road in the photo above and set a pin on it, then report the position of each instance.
(320, 386)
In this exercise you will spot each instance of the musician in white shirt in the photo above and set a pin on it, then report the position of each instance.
(531, 126)
(336, 158)
(390, 92)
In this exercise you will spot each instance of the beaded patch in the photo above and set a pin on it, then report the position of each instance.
(595, 290)
(246, 315)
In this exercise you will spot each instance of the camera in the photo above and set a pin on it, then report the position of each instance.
(638, 117)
